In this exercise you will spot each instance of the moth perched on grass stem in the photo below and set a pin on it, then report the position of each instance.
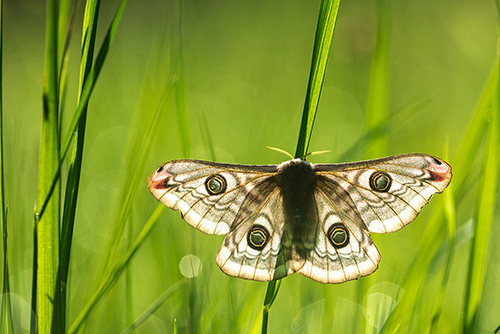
(314, 219)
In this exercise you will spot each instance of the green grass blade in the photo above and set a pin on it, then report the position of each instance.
(327, 19)
(462, 164)
(88, 87)
(325, 28)
(63, 22)
(376, 113)
(48, 225)
(6, 323)
(137, 165)
(272, 291)
(89, 84)
(138, 159)
(34, 319)
(473, 138)
(66, 24)
(377, 125)
(401, 318)
(483, 216)
(156, 305)
(73, 178)
(111, 279)
(449, 211)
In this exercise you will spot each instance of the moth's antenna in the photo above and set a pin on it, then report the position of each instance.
(314, 153)
(280, 150)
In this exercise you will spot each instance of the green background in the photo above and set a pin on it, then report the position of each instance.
(244, 72)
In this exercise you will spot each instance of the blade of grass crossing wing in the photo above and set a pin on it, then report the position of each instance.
(483, 216)
(48, 225)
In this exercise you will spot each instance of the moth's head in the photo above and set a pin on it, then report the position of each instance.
(293, 163)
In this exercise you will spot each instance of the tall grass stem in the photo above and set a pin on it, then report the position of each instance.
(325, 28)
(47, 226)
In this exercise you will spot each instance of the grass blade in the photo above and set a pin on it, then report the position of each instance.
(6, 323)
(449, 211)
(400, 319)
(325, 28)
(272, 290)
(66, 24)
(377, 124)
(89, 84)
(48, 225)
(155, 306)
(174, 86)
(73, 178)
(324, 35)
(483, 216)
(88, 87)
(141, 151)
(138, 161)
(111, 279)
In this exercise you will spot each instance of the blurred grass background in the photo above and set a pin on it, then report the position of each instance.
(236, 73)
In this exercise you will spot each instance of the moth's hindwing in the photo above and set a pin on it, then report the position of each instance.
(344, 249)
(252, 246)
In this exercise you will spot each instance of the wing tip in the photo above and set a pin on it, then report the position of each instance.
(440, 173)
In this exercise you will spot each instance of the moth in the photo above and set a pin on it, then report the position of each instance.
(314, 219)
